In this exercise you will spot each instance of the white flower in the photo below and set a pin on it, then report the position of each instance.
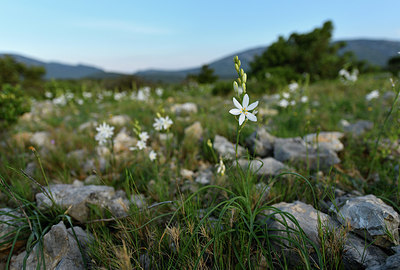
(119, 96)
(244, 109)
(141, 145)
(221, 167)
(48, 94)
(87, 94)
(158, 124)
(167, 122)
(372, 95)
(344, 73)
(69, 95)
(304, 99)
(159, 92)
(283, 103)
(144, 136)
(293, 86)
(292, 102)
(104, 132)
(346, 76)
(152, 155)
(79, 101)
(162, 123)
(286, 95)
(61, 100)
(141, 95)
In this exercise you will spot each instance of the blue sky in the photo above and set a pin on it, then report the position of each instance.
(128, 36)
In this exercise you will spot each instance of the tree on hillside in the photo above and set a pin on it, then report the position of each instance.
(393, 65)
(206, 75)
(311, 53)
(16, 73)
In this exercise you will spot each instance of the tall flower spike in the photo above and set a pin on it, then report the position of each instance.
(244, 110)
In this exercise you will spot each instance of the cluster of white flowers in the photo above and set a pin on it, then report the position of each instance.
(292, 97)
(159, 91)
(48, 94)
(372, 95)
(104, 132)
(293, 87)
(143, 94)
(120, 95)
(141, 145)
(86, 95)
(161, 123)
(346, 76)
(61, 100)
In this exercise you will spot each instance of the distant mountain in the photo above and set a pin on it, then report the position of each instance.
(376, 52)
(223, 67)
(61, 71)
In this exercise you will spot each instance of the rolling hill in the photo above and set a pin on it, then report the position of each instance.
(56, 70)
(376, 52)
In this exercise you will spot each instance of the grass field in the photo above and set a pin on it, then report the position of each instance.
(180, 223)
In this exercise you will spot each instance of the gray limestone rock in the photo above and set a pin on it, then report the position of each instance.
(78, 199)
(358, 253)
(296, 151)
(327, 140)
(194, 132)
(119, 120)
(184, 109)
(264, 167)
(60, 248)
(358, 128)
(204, 177)
(225, 148)
(41, 139)
(370, 217)
(10, 220)
(261, 143)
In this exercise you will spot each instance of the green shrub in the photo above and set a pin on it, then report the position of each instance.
(222, 88)
(12, 104)
(312, 53)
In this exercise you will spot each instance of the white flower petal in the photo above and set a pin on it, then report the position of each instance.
(235, 111)
(252, 106)
(241, 119)
(237, 104)
(251, 117)
(246, 101)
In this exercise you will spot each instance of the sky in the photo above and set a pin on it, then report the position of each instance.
(129, 35)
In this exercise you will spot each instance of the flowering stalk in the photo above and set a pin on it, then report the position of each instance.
(244, 112)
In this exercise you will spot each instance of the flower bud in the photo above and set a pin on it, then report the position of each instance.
(209, 143)
(235, 86)
(237, 67)
(244, 77)
(239, 63)
(235, 59)
(244, 87)
(241, 72)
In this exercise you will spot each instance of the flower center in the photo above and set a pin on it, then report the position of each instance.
(244, 110)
